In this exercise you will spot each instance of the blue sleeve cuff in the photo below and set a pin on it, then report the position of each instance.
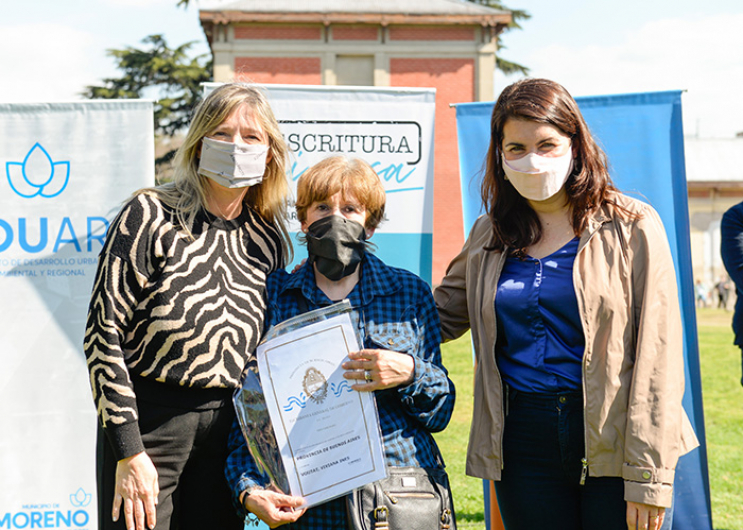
(418, 372)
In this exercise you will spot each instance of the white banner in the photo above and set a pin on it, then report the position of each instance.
(392, 129)
(65, 169)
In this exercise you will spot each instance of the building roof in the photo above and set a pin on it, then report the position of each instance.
(409, 7)
(363, 11)
(710, 161)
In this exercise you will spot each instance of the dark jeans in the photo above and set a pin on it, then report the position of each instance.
(543, 445)
(189, 449)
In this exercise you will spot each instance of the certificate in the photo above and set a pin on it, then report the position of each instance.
(328, 434)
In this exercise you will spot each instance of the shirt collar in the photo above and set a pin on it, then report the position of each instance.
(377, 279)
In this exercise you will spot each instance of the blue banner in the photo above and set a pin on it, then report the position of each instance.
(642, 136)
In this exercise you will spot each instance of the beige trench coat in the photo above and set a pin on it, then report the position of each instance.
(633, 367)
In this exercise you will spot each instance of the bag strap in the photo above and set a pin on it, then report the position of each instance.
(444, 493)
(381, 513)
(446, 502)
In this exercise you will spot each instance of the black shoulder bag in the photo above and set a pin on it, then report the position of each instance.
(410, 498)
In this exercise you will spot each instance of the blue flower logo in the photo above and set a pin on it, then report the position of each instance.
(38, 175)
(80, 498)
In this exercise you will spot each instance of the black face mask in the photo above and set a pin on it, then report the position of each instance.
(336, 246)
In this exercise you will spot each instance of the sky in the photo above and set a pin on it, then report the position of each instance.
(50, 50)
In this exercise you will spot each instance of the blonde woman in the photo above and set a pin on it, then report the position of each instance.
(177, 308)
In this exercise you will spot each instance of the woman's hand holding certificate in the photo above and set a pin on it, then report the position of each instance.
(378, 369)
(274, 509)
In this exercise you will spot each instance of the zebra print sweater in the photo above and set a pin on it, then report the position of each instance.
(172, 315)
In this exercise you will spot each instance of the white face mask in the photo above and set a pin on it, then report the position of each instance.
(536, 177)
(233, 165)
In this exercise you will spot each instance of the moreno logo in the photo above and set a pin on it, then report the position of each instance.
(45, 519)
(50, 515)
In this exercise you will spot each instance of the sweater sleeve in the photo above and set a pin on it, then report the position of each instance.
(116, 293)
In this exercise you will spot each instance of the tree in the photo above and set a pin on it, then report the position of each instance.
(507, 67)
(160, 72)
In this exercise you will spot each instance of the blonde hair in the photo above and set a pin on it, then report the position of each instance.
(348, 176)
(187, 192)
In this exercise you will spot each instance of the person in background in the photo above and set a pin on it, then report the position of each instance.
(700, 293)
(731, 248)
(723, 289)
(569, 289)
(177, 308)
(340, 203)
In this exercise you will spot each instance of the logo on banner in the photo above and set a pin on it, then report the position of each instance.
(80, 498)
(51, 515)
(38, 175)
(392, 148)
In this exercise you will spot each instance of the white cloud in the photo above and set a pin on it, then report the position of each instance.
(194, 4)
(139, 3)
(701, 56)
(48, 62)
(208, 4)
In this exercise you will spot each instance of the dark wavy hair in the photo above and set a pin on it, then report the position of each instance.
(515, 223)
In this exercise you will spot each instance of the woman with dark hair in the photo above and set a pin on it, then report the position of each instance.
(570, 292)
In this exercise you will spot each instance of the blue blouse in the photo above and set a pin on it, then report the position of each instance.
(540, 337)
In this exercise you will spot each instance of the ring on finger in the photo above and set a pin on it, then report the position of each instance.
(367, 376)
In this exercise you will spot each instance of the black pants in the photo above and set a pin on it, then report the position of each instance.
(189, 449)
(543, 444)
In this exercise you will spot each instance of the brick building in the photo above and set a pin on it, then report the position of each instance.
(446, 44)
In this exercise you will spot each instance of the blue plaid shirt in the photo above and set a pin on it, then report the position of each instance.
(396, 312)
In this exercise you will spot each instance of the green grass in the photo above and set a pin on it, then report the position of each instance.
(467, 491)
(723, 416)
(723, 410)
